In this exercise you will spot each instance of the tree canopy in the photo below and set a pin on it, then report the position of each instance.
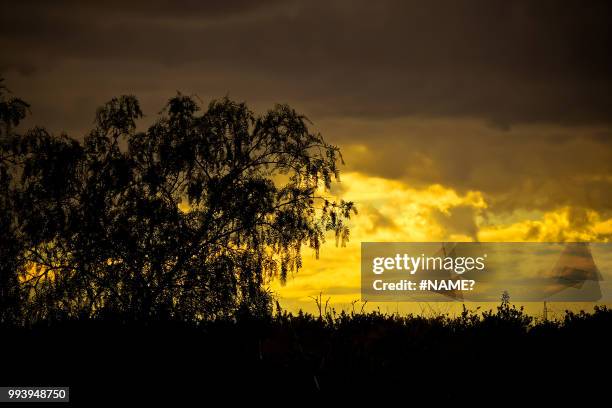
(188, 219)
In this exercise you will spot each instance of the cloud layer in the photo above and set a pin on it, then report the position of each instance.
(505, 62)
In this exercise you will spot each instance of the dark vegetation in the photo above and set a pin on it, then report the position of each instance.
(109, 287)
(442, 359)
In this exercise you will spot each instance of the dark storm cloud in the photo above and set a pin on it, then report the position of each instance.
(508, 98)
(504, 62)
(529, 166)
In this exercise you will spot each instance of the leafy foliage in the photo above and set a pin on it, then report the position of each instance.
(188, 219)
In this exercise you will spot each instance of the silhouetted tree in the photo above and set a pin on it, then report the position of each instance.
(12, 111)
(185, 220)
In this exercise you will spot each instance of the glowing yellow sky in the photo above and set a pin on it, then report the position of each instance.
(390, 210)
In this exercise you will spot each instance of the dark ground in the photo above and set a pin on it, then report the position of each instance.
(498, 357)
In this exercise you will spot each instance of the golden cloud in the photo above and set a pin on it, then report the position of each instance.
(392, 211)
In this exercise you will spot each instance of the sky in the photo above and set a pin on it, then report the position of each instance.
(478, 120)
